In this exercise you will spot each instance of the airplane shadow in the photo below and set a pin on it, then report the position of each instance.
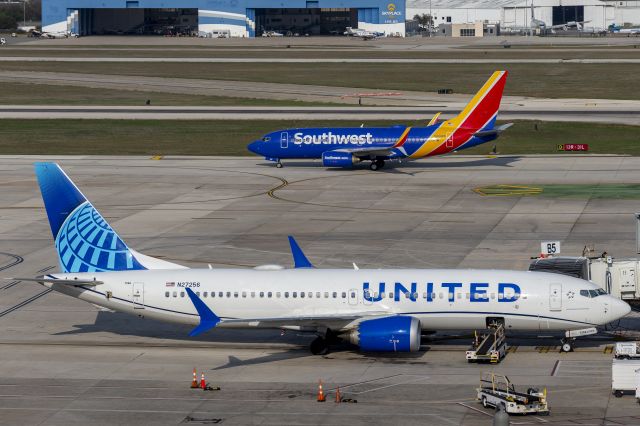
(294, 346)
(127, 325)
(394, 167)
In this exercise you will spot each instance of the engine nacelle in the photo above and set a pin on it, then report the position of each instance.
(390, 334)
(338, 159)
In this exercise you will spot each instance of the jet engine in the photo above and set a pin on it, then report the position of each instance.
(389, 334)
(338, 159)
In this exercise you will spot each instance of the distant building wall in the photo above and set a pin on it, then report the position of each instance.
(235, 16)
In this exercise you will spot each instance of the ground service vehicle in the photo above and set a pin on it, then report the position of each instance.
(624, 376)
(491, 347)
(497, 391)
(627, 350)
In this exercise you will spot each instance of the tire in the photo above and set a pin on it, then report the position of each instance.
(618, 394)
(319, 346)
(567, 347)
(484, 402)
(279, 165)
(373, 166)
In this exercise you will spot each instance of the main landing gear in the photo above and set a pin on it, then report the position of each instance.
(376, 165)
(320, 345)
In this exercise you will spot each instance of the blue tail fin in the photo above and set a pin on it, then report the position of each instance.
(84, 240)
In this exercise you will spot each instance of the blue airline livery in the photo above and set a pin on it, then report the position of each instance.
(344, 147)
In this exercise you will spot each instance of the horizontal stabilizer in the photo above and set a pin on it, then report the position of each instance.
(493, 132)
(208, 319)
(74, 282)
(299, 259)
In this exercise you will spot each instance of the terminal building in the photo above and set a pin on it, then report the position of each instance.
(234, 18)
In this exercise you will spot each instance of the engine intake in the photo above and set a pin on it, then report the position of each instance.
(338, 159)
(389, 334)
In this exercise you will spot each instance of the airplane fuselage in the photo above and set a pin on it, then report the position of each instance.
(440, 299)
(403, 142)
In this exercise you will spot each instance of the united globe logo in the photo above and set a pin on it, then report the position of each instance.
(86, 243)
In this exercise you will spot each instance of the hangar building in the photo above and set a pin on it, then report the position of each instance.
(237, 18)
(599, 14)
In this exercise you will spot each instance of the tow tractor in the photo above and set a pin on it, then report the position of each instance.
(497, 391)
(491, 347)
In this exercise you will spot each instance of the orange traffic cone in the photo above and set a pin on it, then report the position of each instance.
(203, 384)
(194, 382)
(321, 397)
(338, 396)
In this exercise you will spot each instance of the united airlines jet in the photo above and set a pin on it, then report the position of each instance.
(344, 147)
(378, 310)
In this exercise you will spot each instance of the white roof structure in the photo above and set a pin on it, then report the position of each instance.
(517, 13)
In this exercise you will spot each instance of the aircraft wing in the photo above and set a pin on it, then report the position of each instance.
(209, 320)
(567, 25)
(60, 281)
(368, 152)
(336, 321)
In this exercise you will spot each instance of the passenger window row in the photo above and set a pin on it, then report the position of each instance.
(263, 294)
(343, 295)
(433, 296)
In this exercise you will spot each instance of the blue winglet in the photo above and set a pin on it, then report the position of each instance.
(299, 259)
(208, 319)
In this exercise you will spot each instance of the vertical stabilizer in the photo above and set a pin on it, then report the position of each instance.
(85, 242)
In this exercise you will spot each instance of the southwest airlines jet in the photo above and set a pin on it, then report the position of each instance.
(344, 147)
(378, 310)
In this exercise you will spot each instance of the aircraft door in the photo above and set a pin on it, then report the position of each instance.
(353, 296)
(138, 295)
(449, 140)
(555, 297)
(284, 140)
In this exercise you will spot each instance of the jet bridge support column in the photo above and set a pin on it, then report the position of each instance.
(637, 215)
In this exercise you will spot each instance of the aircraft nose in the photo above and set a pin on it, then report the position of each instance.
(619, 308)
(256, 147)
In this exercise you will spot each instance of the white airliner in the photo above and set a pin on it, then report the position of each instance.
(378, 310)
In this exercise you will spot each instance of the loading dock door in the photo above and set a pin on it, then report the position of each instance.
(555, 297)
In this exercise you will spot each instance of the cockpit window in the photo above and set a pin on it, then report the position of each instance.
(592, 293)
(266, 139)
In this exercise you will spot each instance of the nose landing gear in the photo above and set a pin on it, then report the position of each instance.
(567, 344)
(570, 337)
